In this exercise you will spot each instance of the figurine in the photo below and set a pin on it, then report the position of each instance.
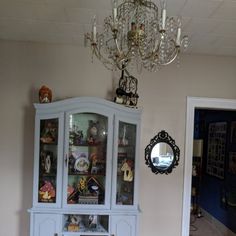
(93, 132)
(74, 223)
(92, 222)
(124, 140)
(76, 135)
(94, 168)
(79, 137)
(45, 94)
(71, 163)
(127, 169)
(49, 133)
(48, 163)
(82, 185)
(47, 191)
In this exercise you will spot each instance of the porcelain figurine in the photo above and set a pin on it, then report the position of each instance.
(45, 94)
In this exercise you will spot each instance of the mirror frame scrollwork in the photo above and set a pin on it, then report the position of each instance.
(162, 137)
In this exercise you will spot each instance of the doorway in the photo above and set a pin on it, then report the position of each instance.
(194, 103)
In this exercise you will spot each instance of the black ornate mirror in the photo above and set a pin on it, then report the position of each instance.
(162, 154)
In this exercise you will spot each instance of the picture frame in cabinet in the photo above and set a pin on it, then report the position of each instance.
(233, 132)
(232, 163)
(216, 149)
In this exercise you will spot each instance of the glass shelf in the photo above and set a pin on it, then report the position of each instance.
(86, 174)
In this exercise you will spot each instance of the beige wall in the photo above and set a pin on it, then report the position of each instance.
(68, 71)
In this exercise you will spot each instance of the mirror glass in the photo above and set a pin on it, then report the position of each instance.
(162, 155)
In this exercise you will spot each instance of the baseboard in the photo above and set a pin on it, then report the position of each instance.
(216, 223)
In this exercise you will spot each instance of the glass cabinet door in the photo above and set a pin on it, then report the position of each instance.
(87, 159)
(125, 172)
(48, 160)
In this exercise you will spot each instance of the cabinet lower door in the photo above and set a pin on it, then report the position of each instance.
(123, 225)
(46, 225)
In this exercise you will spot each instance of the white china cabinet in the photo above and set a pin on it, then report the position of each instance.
(85, 169)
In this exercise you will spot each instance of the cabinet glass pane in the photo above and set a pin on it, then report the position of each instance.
(87, 158)
(94, 224)
(48, 160)
(126, 163)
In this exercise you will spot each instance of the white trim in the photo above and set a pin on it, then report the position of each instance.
(192, 104)
(72, 104)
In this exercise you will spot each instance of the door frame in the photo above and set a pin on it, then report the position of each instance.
(192, 104)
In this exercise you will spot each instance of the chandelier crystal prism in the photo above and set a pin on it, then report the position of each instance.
(140, 33)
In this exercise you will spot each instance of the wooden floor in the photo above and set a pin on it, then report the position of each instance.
(203, 227)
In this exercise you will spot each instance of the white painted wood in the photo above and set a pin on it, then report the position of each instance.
(192, 104)
(47, 225)
(123, 225)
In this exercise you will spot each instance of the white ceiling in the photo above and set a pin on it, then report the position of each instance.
(210, 24)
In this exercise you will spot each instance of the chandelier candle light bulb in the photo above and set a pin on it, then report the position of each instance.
(94, 30)
(163, 15)
(114, 10)
(178, 41)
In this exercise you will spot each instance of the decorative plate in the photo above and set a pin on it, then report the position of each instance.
(82, 164)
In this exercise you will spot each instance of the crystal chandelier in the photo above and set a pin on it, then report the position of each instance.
(135, 34)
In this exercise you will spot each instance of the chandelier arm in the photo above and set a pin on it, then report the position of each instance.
(117, 46)
(118, 66)
(104, 60)
(156, 46)
(87, 36)
(177, 50)
(151, 54)
(126, 71)
(124, 61)
(108, 40)
(123, 64)
(108, 23)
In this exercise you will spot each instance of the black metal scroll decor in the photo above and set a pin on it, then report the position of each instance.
(126, 94)
(162, 154)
